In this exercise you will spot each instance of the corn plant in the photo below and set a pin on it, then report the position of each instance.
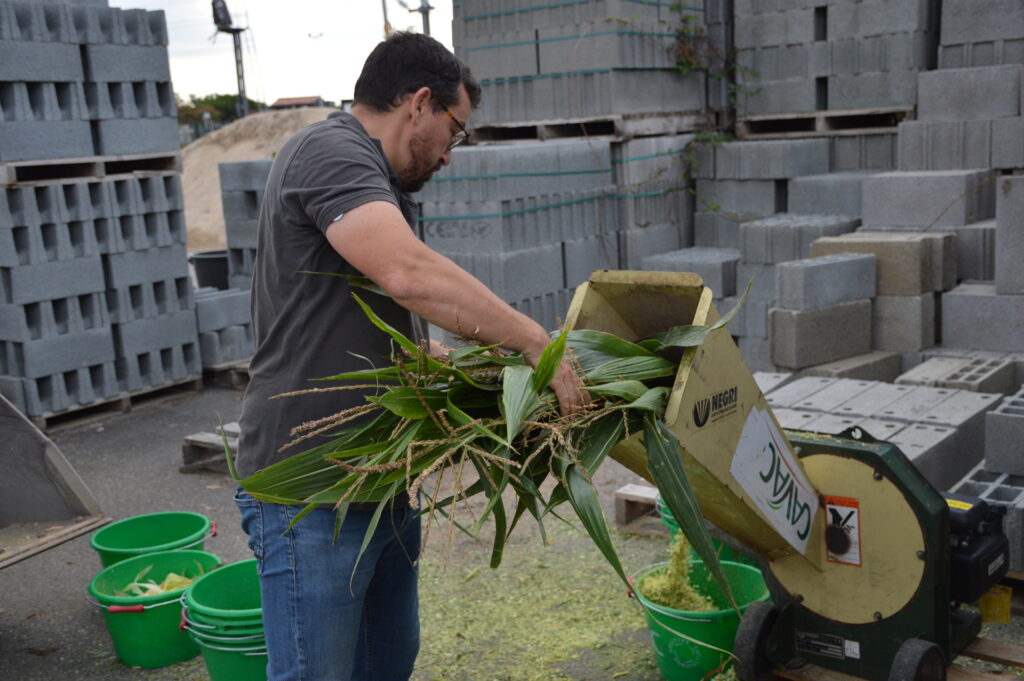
(484, 410)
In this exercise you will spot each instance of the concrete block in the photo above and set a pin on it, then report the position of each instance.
(913, 406)
(945, 145)
(965, 94)
(903, 260)
(230, 344)
(147, 300)
(944, 198)
(1008, 143)
(873, 366)
(933, 371)
(755, 318)
(653, 204)
(872, 402)
(872, 90)
(40, 61)
(140, 267)
(756, 353)
(788, 394)
(147, 335)
(785, 237)
(975, 316)
(56, 354)
(638, 243)
(812, 283)
(778, 97)
(761, 279)
(772, 159)
(864, 152)
(38, 140)
(217, 309)
(880, 429)
(965, 411)
(47, 318)
(794, 419)
(757, 197)
(46, 281)
(716, 266)
(935, 453)
(976, 251)
(973, 21)
(125, 63)
(244, 175)
(1004, 435)
(982, 376)
(903, 323)
(831, 424)
(768, 381)
(1007, 491)
(1009, 246)
(158, 367)
(807, 337)
(828, 398)
(136, 136)
(582, 257)
(715, 229)
(829, 194)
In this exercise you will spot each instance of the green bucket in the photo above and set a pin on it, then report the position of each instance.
(226, 602)
(151, 533)
(226, 662)
(145, 630)
(680, 659)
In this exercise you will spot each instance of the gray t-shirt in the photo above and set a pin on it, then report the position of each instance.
(308, 326)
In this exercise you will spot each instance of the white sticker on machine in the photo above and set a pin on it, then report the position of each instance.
(842, 530)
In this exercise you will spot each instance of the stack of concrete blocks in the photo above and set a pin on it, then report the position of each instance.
(942, 431)
(78, 81)
(544, 62)
(241, 194)
(993, 358)
(655, 207)
(990, 315)
(977, 374)
(981, 33)
(224, 324)
(966, 118)
(714, 46)
(822, 311)
(530, 220)
(841, 55)
(1004, 436)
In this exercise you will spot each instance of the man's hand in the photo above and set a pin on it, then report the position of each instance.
(568, 388)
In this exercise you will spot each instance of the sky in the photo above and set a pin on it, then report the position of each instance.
(293, 48)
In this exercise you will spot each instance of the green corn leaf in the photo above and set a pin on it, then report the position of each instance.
(372, 527)
(398, 336)
(411, 403)
(652, 401)
(518, 400)
(584, 500)
(627, 390)
(604, 343)
(665, 462)
(633, 368)
(600, 438)
(549, 362)
(461, 418)
(388, 374)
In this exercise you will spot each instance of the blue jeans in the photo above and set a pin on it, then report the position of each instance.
(323, 621)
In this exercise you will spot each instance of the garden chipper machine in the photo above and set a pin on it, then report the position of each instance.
(867, 563)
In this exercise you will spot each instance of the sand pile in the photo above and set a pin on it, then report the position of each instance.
(250, 139)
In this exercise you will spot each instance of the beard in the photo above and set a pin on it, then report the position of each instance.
(421, 168)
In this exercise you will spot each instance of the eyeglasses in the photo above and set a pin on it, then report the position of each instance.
(462, 135)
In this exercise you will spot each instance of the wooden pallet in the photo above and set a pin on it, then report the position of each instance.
(823, 123)
(229, 374)
(54, 171)
(100, 409)
(625, 126)
(205, 451)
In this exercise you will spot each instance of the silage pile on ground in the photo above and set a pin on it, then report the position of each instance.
(257, 136)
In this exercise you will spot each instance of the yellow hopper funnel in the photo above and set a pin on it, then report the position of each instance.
(743, 470)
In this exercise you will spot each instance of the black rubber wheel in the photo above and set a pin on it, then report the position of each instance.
(751, 646)
(918, 660)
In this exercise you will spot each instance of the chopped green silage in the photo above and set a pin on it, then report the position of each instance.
(671, 587)
(551, 612)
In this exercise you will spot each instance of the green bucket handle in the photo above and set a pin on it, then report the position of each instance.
(115, 609)
(209, 535)
(258, 650)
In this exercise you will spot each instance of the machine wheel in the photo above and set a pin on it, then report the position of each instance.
(751, 646)
(918, 660)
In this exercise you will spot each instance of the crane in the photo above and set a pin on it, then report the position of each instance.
(222, 19)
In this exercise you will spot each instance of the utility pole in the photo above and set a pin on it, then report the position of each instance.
(222, 19)
(387, 24)
(423, 9)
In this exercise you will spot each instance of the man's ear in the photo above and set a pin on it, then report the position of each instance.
(420, 102)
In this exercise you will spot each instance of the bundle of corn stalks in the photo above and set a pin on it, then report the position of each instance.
(483, 410)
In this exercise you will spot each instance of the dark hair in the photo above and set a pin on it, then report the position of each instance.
(403, 64)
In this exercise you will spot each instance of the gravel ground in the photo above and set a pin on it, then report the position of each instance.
(553, 610)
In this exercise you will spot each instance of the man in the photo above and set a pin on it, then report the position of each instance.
(337, 201)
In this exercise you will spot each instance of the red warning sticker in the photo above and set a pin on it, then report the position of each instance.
(842, 530)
